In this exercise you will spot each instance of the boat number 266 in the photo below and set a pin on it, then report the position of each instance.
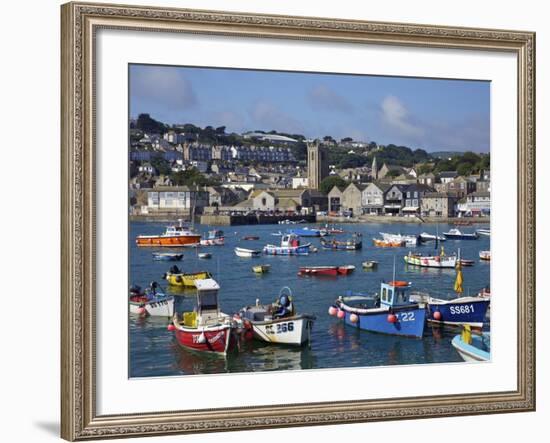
(280, 328)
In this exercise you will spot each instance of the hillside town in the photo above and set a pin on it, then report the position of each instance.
(259, 177)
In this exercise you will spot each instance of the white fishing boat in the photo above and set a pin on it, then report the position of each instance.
(151, 301)
(290, 245)
(432, 261)
(424, 236)
(278, 322)
(409, 240)
(244, 252)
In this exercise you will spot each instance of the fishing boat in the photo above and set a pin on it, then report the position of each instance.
(408, 240)
(473, 348)
(333, 229)
(204, 255)
(278, 322)
(426, 237)
(387, 244)
(175, 235)
(176, 277)
(369, 264)
(457, 234)
(308, 232)
(206, 328)
(290, 245)
(261, 269)
(167, 256)
(485, 255)
(455, 312)
(346, 270)
(486, 232)
(151, 301)
(352, 244)
(389, 312)
(318, 270)
(251, 237)
(243, 252)
(432, 261)
(213, 238)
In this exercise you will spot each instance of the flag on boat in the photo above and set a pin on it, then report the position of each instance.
(458, 281)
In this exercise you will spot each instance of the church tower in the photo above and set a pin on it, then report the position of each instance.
(317, 165)
(374, 169)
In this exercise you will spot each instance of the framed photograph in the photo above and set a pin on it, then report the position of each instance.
(275, 221)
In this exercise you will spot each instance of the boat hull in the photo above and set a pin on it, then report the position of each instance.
(287, 250)
(212, 241)
(221, 339)
(410, 321)
(162, 307)
(319, 270)
(168, 241)
(461, 236)
(186, 280)
(431, 262)
(459, 312)
(239, 252)
(471, 352)
(288, 331)
(167, 257)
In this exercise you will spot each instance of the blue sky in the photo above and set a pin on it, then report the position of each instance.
(430, 114)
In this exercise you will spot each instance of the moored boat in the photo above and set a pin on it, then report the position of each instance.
(151, 301)
(318, 270)
(353, 244)
(206, 328)
(472, 348)
(251, 237)
(485, 255)
(308, 232)
(244, 252)
(176, 277)
(389, 312)
(346, 269)
(387, 244)
(174, 235)
(261, 269)
(435, 261)
(482, 231)
(204, 255)
(425, 237)
(278, 322)
(457, 234)
(290, 245)
(466, 262)
(369, 264)
(167, 256)
(213, 238)
(409, 240)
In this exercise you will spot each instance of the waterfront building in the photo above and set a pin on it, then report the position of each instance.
(476, 204)
(352, 199)
(413, 197)
(373, 198)
(171, 199)
(317, 165)
(335, 199)
(394, 199)
(438, 204)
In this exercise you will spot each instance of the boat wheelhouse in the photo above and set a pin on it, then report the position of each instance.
(214, 237)
(206, 328)
(389, 312)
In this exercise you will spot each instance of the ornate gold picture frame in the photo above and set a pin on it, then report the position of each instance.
(80, 23)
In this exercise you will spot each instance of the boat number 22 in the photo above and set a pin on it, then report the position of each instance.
(462, 309)
(406, 316)
(280, 328)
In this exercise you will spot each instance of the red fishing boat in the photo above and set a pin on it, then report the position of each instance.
(318, 270)
(206, 328)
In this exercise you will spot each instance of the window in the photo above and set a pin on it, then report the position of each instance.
(384, 295)
(264, 201)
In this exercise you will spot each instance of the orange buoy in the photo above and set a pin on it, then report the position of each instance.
(399, 283)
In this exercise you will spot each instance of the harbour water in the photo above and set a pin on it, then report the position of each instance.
(154, 351)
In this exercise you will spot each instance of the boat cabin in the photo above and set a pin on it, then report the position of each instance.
(394, 293)
(208, 310)
(290, 241)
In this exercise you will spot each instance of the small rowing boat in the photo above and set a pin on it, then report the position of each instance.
(261, 269)
(369, 264)
(176, 277)
(466, 262)
(318, 270)
(251, 237)
(243, 252)
(204, 255)
(485, 255)
(167, 256)
(473, 348)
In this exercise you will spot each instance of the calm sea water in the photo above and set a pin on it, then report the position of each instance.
(154, 351)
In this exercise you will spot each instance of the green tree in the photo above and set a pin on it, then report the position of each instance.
(161, 165)
(329, 182)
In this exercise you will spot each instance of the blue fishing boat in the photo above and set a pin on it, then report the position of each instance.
(167, 256)
(308, 232)
(456, 312)
(290, 245)
(473, 347)
(389, 312)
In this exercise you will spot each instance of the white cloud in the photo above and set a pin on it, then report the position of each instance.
(396, 115)
(323, 97)
(162, 86)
